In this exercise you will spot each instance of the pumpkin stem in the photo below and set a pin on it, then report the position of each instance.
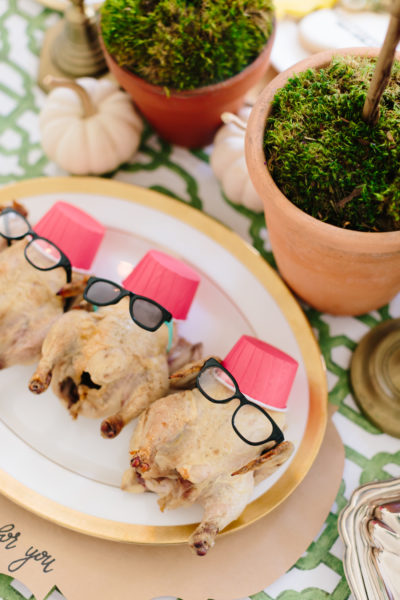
(228, 117)
(88, 106)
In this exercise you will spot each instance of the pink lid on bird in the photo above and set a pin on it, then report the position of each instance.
(166, 280)
(75, 232)
(263, 373)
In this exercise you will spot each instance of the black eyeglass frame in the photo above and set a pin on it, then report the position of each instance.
(276, 434)
(64, 261)
(166, 315)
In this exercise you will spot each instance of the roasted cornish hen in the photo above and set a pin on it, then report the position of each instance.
(185, 449)
(30, 277)
(101, 364)
(115, 362)
(29, 305)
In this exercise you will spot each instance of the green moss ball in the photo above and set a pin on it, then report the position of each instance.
(325, 158)
(183, 44)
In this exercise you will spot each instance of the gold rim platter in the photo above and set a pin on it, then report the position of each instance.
(301, 329)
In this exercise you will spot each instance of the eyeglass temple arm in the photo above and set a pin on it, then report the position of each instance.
(170, 326)
(68, 272)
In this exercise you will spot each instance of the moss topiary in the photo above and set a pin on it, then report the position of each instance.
(185, 44)
(325, 158)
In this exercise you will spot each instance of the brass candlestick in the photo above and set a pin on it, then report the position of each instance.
(375, 376)
(71, 48)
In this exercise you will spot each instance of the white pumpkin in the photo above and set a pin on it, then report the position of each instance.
(88, 126)
(229, 165)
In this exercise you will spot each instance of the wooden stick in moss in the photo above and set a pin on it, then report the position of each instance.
(383, 68)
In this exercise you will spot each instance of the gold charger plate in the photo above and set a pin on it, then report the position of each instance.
(193, 235)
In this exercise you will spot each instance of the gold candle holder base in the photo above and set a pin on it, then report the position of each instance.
(71, 48)
(375, 376)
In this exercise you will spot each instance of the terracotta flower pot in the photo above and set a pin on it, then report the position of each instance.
(190, 118)
(335, 270)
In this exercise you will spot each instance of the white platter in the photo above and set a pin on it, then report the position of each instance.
(62, 469)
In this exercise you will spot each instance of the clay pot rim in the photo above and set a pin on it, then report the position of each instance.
(204, 90)
(255, 154)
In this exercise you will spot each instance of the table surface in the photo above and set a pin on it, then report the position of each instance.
(186, 175)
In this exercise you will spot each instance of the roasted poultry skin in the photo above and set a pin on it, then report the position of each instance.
(29, 305)
(185, 449)
(101, 364)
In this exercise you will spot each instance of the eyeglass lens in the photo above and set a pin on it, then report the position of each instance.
(143, 311)
(13, 225)
(146, 313)
(252, 423)
(210, 381)
(42, 254)
(249, 420)
(102, 293)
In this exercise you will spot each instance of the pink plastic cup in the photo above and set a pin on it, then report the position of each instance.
(263, 373)
(75, 232)
(166, 280)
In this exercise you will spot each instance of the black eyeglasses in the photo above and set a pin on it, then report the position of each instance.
(145, 312)
(40, 252)
(247, 415)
